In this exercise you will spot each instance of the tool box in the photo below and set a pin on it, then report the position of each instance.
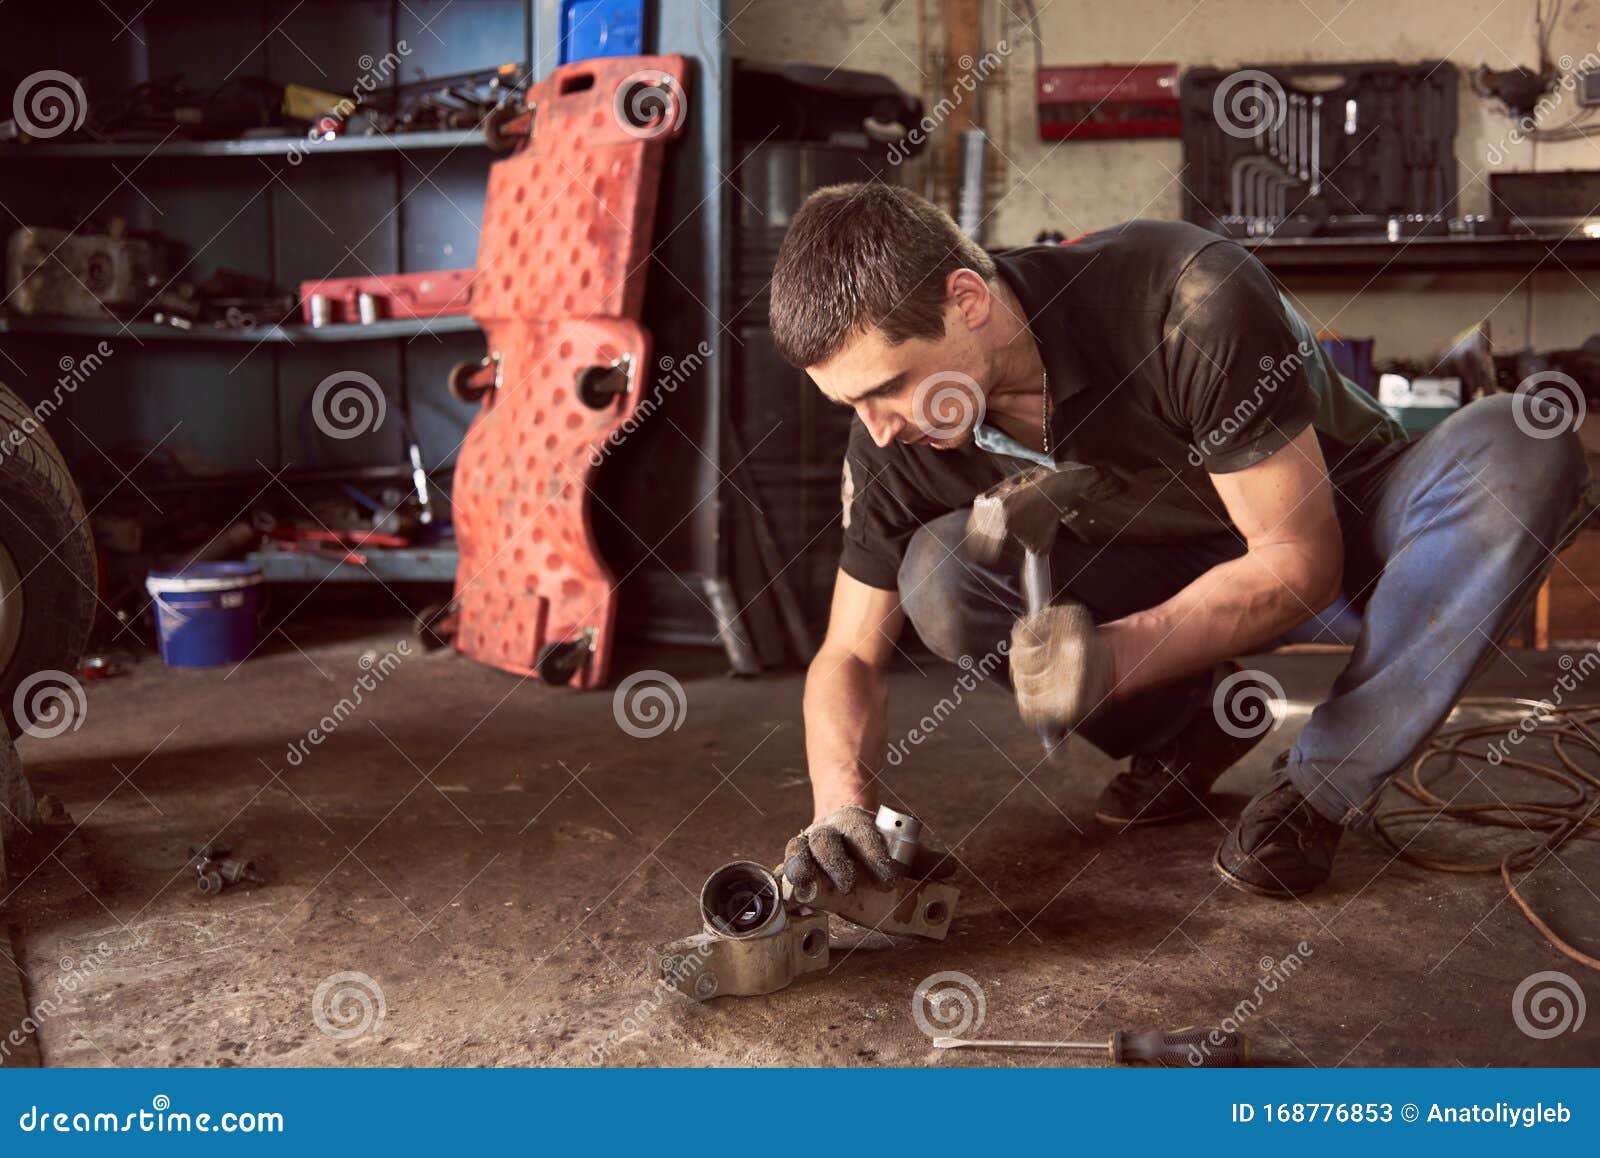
(1108, 102)
(421, 296)
(1339, 150)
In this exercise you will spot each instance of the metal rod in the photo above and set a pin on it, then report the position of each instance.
(965, 1043)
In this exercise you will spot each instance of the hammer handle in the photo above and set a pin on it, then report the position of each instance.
(1037, 588)
(1036, 582)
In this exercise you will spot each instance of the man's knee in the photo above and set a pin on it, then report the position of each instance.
(1525, 465)
(937, 586)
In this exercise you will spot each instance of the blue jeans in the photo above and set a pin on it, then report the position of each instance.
(1437, 566)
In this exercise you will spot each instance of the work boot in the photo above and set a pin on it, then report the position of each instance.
(1171, 783)
(1281, 845)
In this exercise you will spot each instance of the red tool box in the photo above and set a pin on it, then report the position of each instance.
(1105, 101)
(418, 296)
(567, 228)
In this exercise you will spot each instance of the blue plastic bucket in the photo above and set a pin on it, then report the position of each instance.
(206, 613)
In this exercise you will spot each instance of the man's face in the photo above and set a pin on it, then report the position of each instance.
(926, 392)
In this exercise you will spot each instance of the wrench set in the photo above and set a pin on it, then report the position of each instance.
(1343, 150)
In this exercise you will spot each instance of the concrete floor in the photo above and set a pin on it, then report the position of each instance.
(498, 858)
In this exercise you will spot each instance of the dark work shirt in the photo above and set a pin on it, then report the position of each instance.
(1171, 355)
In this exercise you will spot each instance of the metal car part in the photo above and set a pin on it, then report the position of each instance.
(709, 965)
(742, 901)
(906, 908)
(901, 831)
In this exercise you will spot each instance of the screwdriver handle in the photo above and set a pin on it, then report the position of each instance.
(1181, 1047)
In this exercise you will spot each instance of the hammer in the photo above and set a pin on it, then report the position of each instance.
(1026, 507)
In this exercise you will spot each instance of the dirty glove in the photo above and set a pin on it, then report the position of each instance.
(838, 845)
(1060, 666)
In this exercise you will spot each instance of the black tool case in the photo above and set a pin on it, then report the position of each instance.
(1329, 150)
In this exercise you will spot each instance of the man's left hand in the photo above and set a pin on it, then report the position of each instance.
(1060, 666)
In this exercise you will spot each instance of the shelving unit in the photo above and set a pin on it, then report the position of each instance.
(1424, 254)
(45, 151)
(226, 403)
(382, 330)
(230, 406)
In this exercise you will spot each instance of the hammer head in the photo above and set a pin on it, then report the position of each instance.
(1026, 507)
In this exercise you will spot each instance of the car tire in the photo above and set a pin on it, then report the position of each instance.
(47, 561)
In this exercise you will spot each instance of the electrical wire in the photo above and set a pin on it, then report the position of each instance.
(1544, 27)
(1550, 823)
(1576, 129)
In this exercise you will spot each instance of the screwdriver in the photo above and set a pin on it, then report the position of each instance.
(1174, 1047)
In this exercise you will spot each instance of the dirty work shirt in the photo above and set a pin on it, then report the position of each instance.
(1171, 354)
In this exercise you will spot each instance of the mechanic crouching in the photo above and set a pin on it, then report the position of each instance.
(1240, 494)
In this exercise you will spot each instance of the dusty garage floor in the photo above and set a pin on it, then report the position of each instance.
(497, 857)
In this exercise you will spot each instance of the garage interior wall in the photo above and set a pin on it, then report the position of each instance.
(1079, 186)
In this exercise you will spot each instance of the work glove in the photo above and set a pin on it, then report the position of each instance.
(847, 839)
(839, 845)
(1060, 666)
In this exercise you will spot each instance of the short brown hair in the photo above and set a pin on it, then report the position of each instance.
(862, 256)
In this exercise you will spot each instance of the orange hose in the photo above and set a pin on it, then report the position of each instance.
(1554, 821)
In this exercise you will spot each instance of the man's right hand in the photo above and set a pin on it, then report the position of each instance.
(1061, 666)
(840, 845)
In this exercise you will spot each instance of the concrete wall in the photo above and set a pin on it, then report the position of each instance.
(1082, 186)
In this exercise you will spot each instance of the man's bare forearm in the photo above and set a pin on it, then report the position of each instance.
(1230, 610)
(845, 704)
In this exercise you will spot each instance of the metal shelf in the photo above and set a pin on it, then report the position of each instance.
(1421, 254)
(290, 334)
(246, 147)
(393, 565)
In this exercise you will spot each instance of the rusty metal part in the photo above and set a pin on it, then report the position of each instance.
(215, 870)
(708, 965)
(57, 273)
(906, 908)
